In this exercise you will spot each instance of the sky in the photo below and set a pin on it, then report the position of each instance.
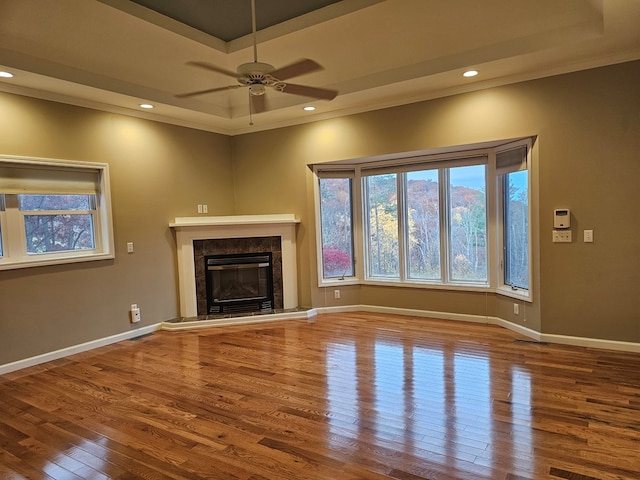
(470, 177)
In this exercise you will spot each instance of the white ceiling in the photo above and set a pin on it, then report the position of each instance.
(114, 54)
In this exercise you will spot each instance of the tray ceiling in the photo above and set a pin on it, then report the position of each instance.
(115, 54)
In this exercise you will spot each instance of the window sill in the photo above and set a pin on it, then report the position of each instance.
(523, 295)
(507, 292)
(7, 264)
(433, 286)
(337, 282)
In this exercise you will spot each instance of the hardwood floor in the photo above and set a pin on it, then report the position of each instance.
(347, 396)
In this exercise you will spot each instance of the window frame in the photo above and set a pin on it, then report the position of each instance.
(12, 219)
(503, 287)
(349, 173)
(351, 270)
(443, 164)
(447, 157)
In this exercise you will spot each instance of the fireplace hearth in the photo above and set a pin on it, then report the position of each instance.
(239, 283)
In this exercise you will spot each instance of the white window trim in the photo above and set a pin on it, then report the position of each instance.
(502, 288)
(339, 173)
(495, 281)
(14, 243)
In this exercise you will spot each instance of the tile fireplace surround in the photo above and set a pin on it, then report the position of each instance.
(188, 229)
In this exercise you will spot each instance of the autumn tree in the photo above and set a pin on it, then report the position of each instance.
(49, 228)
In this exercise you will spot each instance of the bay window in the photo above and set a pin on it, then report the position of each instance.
(425, 219)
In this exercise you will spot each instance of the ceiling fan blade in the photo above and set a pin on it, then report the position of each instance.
(305, 91)
(295, 69)
(208, 90)
(214, 68)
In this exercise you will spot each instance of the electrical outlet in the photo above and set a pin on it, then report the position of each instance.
(516, 309)
(199, 208)
(336, 294)
(588, 236)
(134, 312)
(129, 247)
(205, 208)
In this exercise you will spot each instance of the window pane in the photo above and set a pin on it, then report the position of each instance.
(58, 233)
(423, 211)
(516, 228)
(468, 223)
(336, 226)
(54, 202)
(382, 205)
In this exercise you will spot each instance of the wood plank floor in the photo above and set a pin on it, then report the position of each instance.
(346, 396)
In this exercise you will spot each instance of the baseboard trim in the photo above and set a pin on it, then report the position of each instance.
(309, 314)
(527, 332)
(72, 350)
(591, 342)
(225, 322)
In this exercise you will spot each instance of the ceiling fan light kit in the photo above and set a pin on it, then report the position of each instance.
(257, 89)
(258, 75)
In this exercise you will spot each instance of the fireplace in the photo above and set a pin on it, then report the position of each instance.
(197, 237)
(234, 261)
(239, 283)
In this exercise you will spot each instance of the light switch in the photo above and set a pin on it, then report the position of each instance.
(588, 236)
(562, 236)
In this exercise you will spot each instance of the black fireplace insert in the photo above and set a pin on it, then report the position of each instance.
(239, 283)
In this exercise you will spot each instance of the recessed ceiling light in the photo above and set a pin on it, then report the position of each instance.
(309, 108)
(6, 74)
(146, 105)
(470, 73)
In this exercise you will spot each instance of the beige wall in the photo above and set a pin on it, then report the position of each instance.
(157, 172)
(587, 123)
(588, 127)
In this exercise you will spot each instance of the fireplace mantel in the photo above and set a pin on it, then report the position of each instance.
(189, 229)
(191, 222)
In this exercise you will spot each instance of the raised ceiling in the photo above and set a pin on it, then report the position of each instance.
(229, 20)
(115, 54)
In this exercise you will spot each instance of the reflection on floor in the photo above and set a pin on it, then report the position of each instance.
(340, 396)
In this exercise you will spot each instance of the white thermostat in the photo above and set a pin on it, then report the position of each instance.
(561, 218)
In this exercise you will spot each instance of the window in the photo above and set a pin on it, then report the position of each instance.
(53, 211)
(511, 165)
(336, 209)
(423, 212)
(406, 224)
(467, 224)
(382, 209)
(432, 220)
(57, 223)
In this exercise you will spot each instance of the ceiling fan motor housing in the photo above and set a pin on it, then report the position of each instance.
(256, 74)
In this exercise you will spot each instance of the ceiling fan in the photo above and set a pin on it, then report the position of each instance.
(257, 76)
